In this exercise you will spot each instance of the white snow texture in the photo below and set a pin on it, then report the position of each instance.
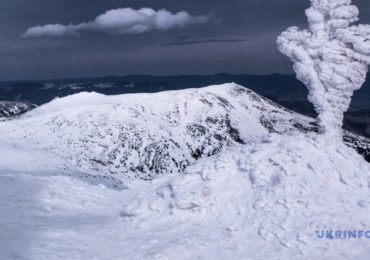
(261, 197)
(331, 58)
(260, 200)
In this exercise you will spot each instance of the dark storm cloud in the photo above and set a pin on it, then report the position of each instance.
(240, 38)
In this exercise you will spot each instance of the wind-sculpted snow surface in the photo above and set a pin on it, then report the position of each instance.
(263, 200)
(331, 58)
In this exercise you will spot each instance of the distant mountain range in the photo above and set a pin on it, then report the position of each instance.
(286, 90)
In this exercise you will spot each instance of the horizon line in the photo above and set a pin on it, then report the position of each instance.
(144, 75)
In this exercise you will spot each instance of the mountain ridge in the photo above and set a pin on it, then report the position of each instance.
(264, 199)
(285, 90)
(143, 135)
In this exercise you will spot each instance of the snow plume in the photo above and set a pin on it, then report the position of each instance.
(122, 21)
(331, 58)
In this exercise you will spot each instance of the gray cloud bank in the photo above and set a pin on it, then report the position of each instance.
(122, 21)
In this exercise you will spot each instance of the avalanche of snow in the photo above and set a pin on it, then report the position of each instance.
(269, 186)
(331, 58)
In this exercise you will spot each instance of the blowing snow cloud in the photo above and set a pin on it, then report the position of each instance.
(122, 21)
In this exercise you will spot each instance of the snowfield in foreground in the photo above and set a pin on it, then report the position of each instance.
(260, 197)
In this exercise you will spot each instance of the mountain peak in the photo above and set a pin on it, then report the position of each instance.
(143, 135)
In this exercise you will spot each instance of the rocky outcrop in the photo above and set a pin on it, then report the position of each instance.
(9, 109)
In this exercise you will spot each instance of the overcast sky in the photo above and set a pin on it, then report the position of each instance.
(207, 37)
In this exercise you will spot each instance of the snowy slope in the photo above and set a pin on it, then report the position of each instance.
(264, 200)
(263, 184)
(143, 135)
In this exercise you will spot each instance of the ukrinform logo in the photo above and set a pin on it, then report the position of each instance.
(343, 234)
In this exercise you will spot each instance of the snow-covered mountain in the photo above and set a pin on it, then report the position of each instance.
(143, 135)
(256, 181)
(9, 109)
